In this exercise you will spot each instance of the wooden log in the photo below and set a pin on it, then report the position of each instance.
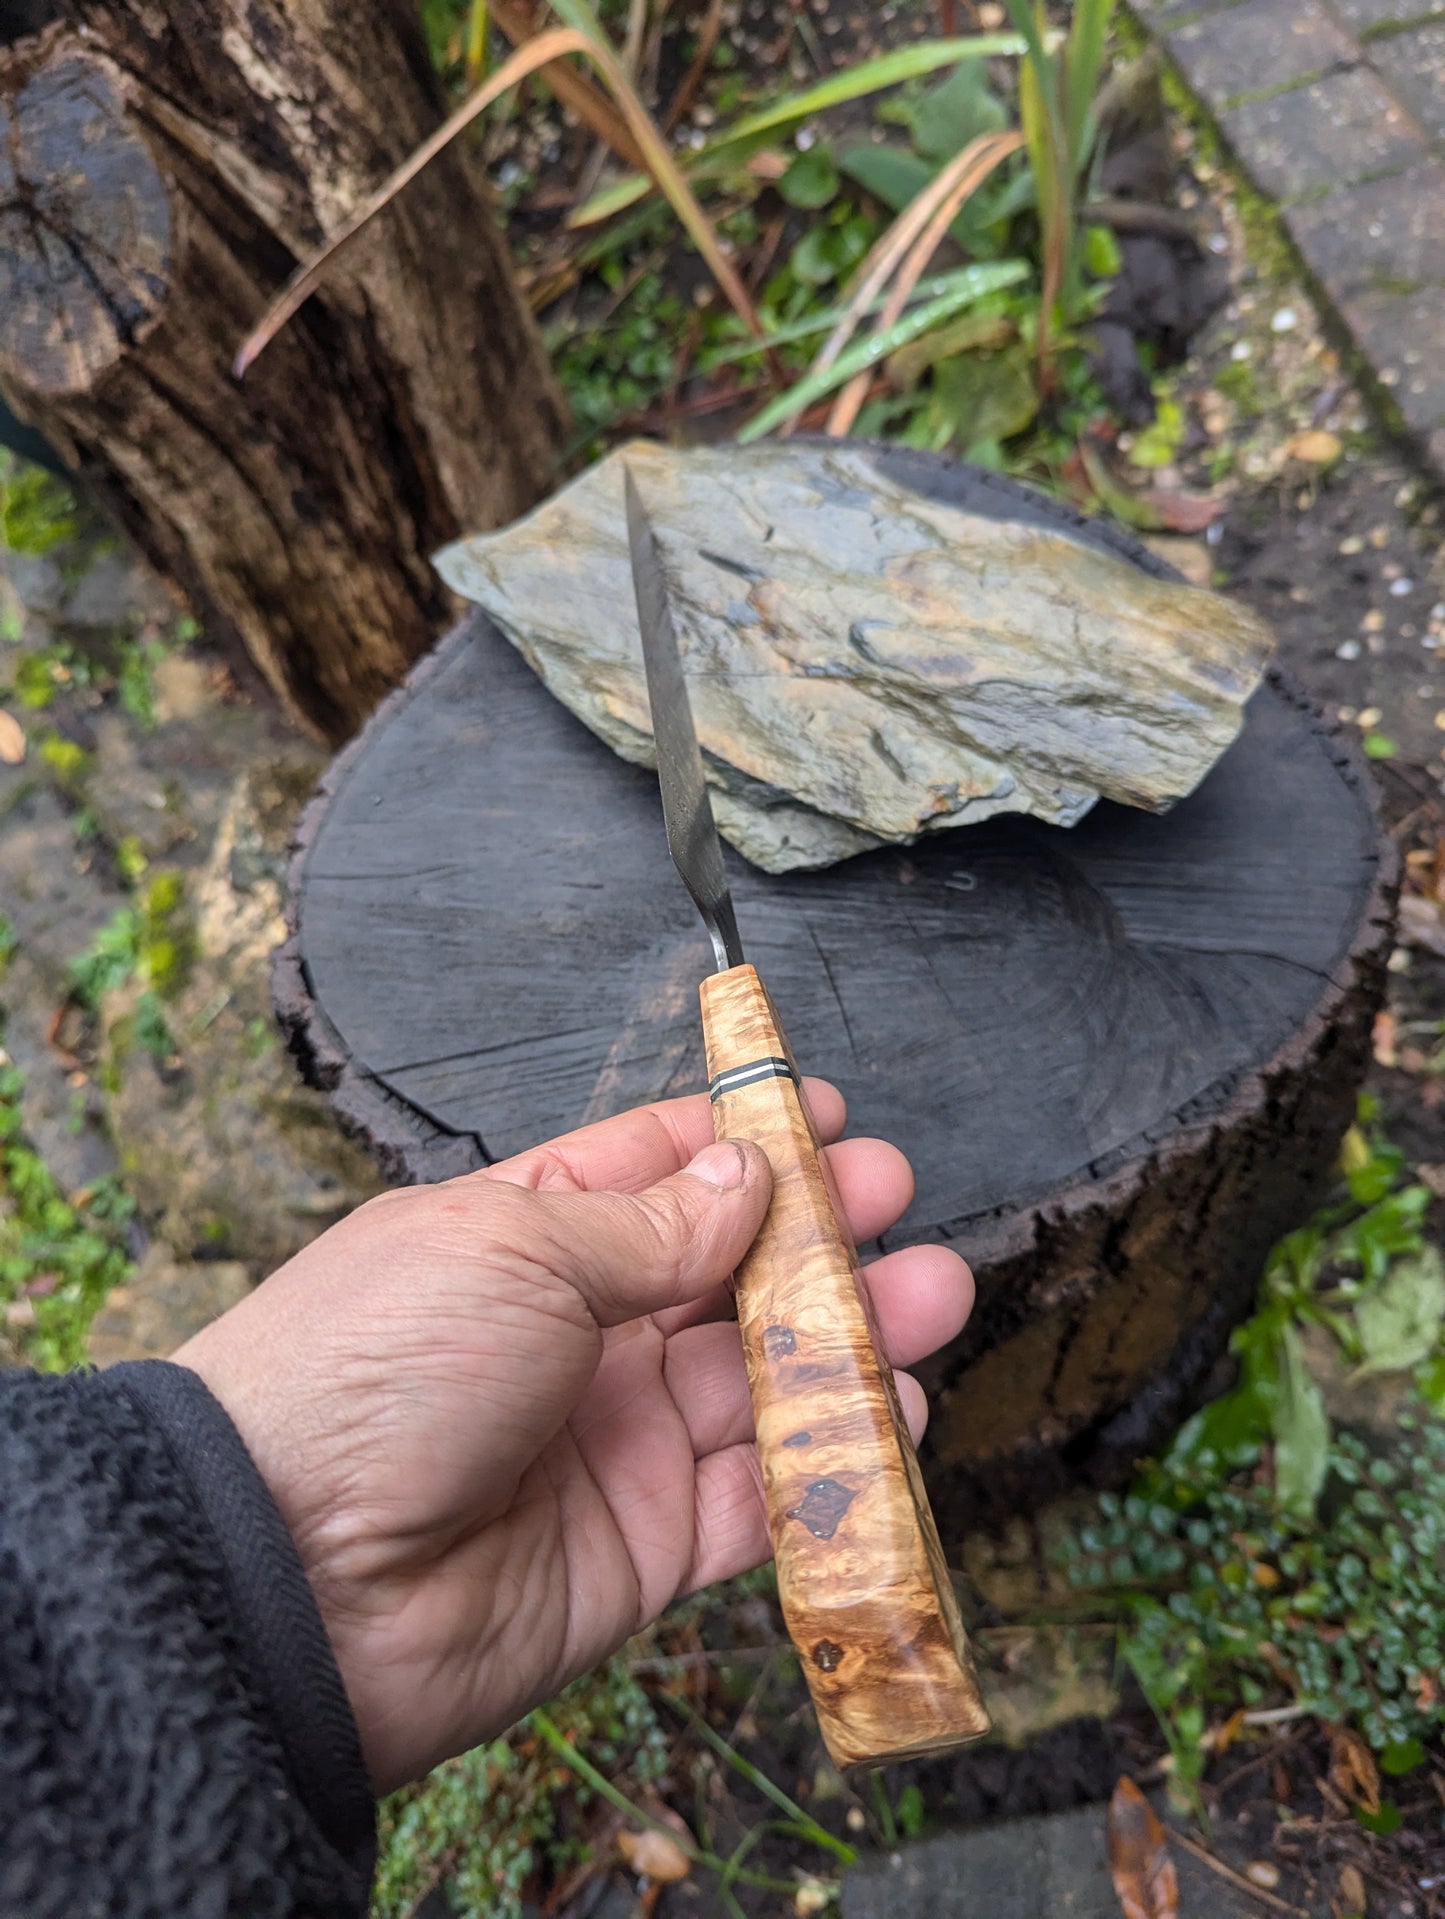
(163, 167)
(1120, 1057)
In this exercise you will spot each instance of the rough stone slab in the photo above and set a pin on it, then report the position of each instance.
(1331, 133)
(1379, 236)
(1401, 336)
(1412, 65)
(869, 660)
(1054, 1867)
(1262, 44)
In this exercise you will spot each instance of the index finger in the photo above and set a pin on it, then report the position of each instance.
(632, 1151)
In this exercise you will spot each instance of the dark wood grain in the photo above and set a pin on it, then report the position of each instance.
(163, 166)
(1119, 1057)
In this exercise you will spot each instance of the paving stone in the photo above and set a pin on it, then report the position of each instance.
(1264, 43)
(1159, 13)
(1380, 235)
(1362, 15)
(1331, 133)
(163, 1303)
(1049, 1868)
(54, 902)
(1400, 335)
(223, 1148)
(1413, 66)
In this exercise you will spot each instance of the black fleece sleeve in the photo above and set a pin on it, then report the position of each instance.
(175, 1740)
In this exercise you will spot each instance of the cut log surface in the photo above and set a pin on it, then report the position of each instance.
(1120, 1057)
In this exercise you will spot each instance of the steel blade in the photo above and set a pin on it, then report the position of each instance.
(686, 810)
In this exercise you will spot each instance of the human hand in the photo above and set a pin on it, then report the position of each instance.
(506, 1418)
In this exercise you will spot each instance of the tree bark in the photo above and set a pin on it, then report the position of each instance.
(163, 166)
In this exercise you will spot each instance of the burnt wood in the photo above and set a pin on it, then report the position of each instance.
(1120, 1057)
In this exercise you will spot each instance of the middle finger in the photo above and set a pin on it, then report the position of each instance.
(921, 1299)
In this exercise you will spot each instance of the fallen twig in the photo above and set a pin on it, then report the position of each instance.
(573, 89)
(1237, 1879)
(706, 44)
(887, 252)
(973, 166)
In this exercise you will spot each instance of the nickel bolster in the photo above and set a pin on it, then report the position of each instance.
(749, 1075)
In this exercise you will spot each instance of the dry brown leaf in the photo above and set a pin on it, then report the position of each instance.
(1383, 1040)
(1220, 1738)
(1139, 1859)
(1353, 1772)
(654, 1855)
(1181, 512)
(12, 739)
(1316, 448)
(1422, 923)
(1352, 1889)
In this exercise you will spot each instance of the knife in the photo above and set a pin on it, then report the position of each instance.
(865, 1593)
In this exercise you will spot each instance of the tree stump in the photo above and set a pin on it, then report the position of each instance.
(163, 167)
(1120, 1057)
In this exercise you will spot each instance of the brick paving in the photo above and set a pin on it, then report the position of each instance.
(1336, 110)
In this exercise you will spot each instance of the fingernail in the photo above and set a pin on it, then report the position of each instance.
(722, 1165)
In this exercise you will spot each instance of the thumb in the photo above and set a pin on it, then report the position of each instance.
(633, 1253)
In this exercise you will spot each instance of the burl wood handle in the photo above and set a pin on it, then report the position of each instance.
(867, 1598)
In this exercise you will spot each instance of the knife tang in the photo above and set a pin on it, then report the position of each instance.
(864, 1589)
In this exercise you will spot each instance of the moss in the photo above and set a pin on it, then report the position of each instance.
(59, 1255)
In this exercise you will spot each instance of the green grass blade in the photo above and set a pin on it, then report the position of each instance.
(1027, 27)
(760, 1781)
(1083, 58)
(869, 76)
(985, 277)
(474, 56)
(659, 158)
(930, 289)
(577, 13)
(885, 70)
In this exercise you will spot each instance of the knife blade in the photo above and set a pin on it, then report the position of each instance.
(686, 809)
(865, 1592)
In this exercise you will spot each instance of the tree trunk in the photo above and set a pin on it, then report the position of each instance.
(163, 166)
(1120, 1061)
(1120, 1058)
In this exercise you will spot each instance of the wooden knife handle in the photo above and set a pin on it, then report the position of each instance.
(865, 1593)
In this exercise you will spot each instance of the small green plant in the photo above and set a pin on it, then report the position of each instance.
(37, 511)
(492, 1818)
(120, 664)
(511, 1819)
(1265, 1554)
(59, 1256)
(1057, 87)
(151, 939)
(67, 760)
(969, 365)
(1240, 1600)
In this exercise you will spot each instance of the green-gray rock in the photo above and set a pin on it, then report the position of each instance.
(867, 664)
